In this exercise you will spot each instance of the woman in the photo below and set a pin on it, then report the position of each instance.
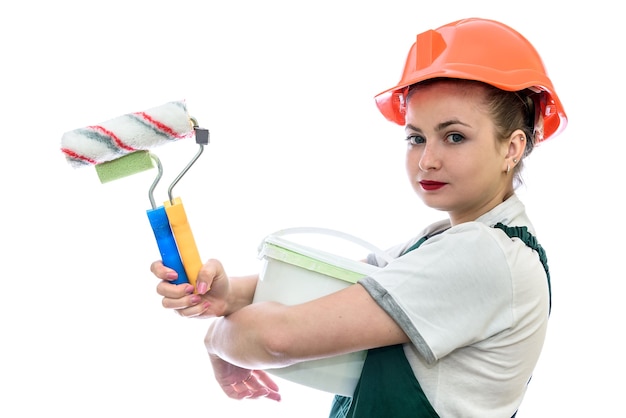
(455, 323)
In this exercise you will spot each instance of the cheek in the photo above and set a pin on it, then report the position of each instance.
(411, 162)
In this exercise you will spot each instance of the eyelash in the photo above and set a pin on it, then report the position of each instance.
(411, 139)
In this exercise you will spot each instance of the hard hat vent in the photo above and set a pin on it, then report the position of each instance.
(429, 45)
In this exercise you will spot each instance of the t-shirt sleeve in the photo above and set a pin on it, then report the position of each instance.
(455, 289)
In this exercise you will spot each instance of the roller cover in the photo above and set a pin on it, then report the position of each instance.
(132, 132)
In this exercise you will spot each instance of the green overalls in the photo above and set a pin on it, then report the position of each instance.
(387, 387)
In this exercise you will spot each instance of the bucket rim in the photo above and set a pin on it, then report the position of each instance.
(336, 266)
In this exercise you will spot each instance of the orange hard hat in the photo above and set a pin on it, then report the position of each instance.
(482, 50)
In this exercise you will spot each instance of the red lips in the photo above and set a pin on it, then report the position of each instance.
(431, 185)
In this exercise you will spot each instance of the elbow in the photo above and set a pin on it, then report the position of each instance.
(279, 350)
(256, 337)
(276, 339)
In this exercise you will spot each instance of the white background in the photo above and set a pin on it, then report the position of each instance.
(286, 89)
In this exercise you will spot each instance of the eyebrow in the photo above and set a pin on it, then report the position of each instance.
(439, 126)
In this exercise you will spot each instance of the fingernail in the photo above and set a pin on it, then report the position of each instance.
(202, 288)
(189, 289)
(195, 299)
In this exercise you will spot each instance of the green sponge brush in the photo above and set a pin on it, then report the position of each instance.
(125, 166)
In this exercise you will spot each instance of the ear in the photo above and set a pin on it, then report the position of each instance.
(516, 146)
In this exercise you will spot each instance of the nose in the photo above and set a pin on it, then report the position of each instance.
(429, 160)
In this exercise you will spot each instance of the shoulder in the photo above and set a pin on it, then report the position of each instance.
(399, 249)
(470, 236)
(472, 250)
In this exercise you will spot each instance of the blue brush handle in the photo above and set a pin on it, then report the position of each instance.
(167, 243)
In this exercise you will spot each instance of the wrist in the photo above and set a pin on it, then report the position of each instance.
(241, 294)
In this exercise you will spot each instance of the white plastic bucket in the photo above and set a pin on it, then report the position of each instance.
(293, 273)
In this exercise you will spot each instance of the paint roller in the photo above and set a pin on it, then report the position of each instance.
(119, 148)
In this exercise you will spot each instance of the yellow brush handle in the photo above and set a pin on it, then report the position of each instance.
(184, 239)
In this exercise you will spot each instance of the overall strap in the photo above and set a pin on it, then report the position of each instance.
(387, 386)
(529, 239)
(417, 244)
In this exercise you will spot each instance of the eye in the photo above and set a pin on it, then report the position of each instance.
(415, 139)
(455, 138)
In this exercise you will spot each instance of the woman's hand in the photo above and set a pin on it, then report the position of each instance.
(239, 383)
(209, 298)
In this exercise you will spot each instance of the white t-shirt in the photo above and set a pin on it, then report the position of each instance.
(475, 305)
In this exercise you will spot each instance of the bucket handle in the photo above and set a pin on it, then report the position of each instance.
(325, 231)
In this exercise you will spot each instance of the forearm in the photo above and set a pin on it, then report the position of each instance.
(244, 338)
(271, 335)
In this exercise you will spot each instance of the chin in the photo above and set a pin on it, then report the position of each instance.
(433, 203)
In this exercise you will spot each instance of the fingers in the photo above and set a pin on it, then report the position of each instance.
(182, 299)
(196, 311)
(164, 273)
(251, 388)
(211, 272)
(266, 380)
(174, 291)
